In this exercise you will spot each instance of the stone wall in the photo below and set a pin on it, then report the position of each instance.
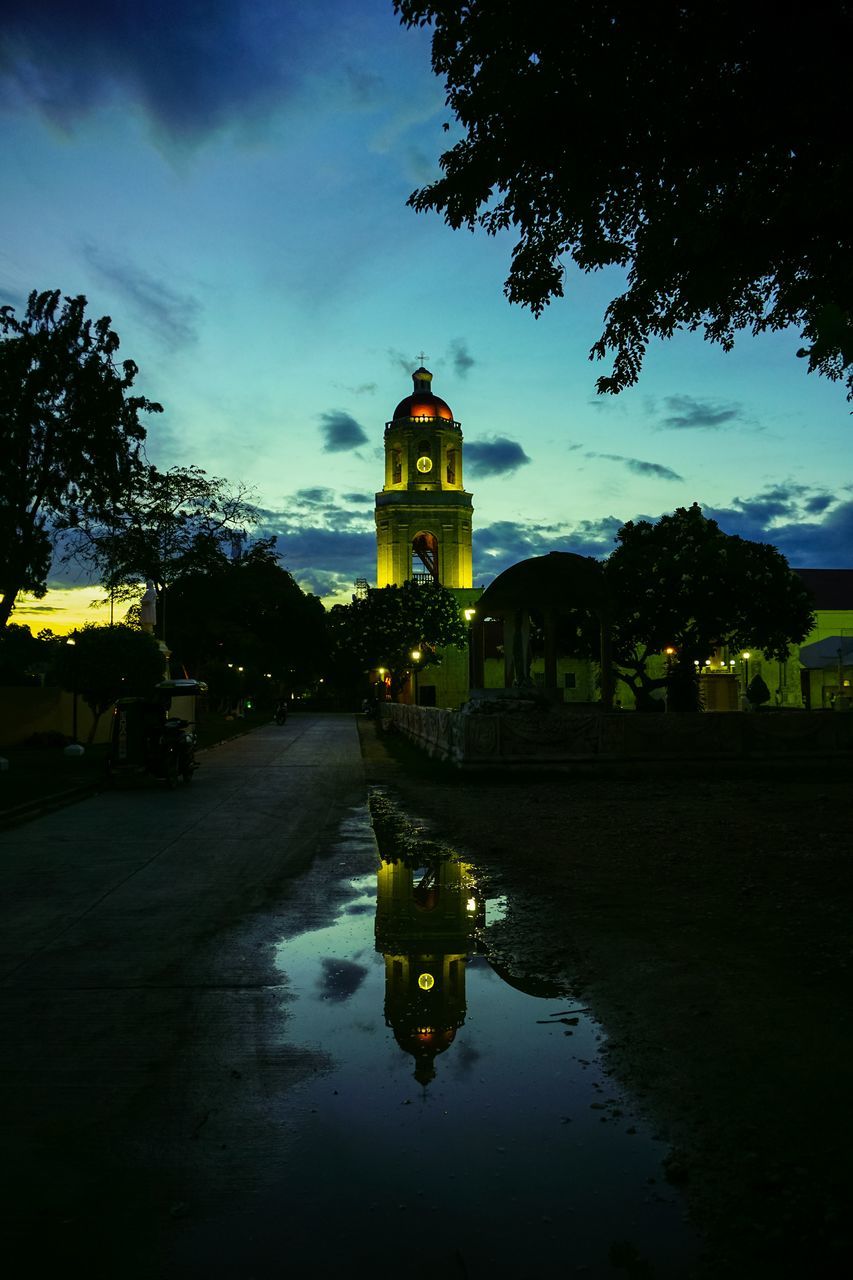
(559, 735)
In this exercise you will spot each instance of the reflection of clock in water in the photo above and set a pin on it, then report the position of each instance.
(424, 465)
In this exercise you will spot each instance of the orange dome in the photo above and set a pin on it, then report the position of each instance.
(422, 403)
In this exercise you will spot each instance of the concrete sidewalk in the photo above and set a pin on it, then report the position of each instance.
(136, 943)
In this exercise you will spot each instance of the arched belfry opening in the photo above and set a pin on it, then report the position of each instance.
(425, 553)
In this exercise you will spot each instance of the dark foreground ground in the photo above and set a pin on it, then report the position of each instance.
(705, 913)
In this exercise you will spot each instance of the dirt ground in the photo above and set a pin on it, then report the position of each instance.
(704, 913)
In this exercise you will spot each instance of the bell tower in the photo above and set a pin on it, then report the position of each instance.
(423, 514)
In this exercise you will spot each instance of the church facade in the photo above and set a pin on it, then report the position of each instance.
(424, 522)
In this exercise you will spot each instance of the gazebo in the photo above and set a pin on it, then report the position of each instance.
(551, 586)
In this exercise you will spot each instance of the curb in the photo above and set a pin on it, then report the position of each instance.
(47, 804)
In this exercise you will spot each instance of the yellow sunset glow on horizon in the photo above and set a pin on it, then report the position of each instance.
(65, 608)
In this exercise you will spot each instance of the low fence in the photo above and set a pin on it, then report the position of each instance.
(559, 735)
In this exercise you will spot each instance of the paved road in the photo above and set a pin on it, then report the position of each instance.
(138, 988)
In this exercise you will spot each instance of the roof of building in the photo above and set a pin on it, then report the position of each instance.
(422, 403)
(561, 581)
(831, 588)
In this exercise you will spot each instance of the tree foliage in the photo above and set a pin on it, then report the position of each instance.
(683, 583)
(247, 611)
(757, 692)
(693, 146)
(382, 629)
(168, 524)
(25, 658)
(106, 663)
(70, 432)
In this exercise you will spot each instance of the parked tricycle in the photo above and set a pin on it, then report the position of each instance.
(146, 739)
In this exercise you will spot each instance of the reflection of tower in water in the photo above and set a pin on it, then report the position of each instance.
(425, 919)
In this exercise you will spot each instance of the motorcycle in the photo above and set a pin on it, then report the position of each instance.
(281, 713)
(174, 753)
(147, 740)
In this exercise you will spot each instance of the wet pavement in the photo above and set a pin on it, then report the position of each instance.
(331, 1072)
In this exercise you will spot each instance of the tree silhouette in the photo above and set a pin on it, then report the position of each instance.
(247, 611)
(106, 663)
(693, 146)
(166, 525)
(70, 432)
(383, 627)
(683, 583)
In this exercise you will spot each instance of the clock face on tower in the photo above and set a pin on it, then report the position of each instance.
(424, 465)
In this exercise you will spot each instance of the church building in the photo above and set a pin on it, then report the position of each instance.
(423, 522)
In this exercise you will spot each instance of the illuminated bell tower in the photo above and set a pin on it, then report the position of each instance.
(423, 514)
(426, 918)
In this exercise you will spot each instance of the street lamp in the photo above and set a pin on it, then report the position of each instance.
(71, 642)
(416, 657)
(469, 615)
(746, 657)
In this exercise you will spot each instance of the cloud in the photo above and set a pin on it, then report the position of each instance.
(685, 413)
(365, 87)
(783, 515)
(340, 978)
(341, 432)
(358, 498)
(314, 497)
(778, 515)
(818, 545)
(786, 503)
(10, 296)
(363, 389)
(191, 69)
(461, 358)
(639, 467)
(496, 457)
(400, 360)
(170, 314)
(499, 545)
(419, 105)
(774, 503)
(324, 542)
(329, 585)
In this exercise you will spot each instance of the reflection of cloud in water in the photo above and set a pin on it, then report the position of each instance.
(482, 965)
(340, 978)
(465, 1056)
(360, 909)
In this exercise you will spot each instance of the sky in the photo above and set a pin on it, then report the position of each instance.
(228, 182)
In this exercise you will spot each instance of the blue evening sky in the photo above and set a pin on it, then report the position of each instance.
(228, 181)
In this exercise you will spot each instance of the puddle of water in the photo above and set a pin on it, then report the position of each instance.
(465, 1124)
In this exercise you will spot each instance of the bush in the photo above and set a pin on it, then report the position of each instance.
(757, 692)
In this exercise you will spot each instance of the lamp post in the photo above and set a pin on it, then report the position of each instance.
(746, 657)
(72, 643)
(469, 615)
(416, 657)
(670, 653)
